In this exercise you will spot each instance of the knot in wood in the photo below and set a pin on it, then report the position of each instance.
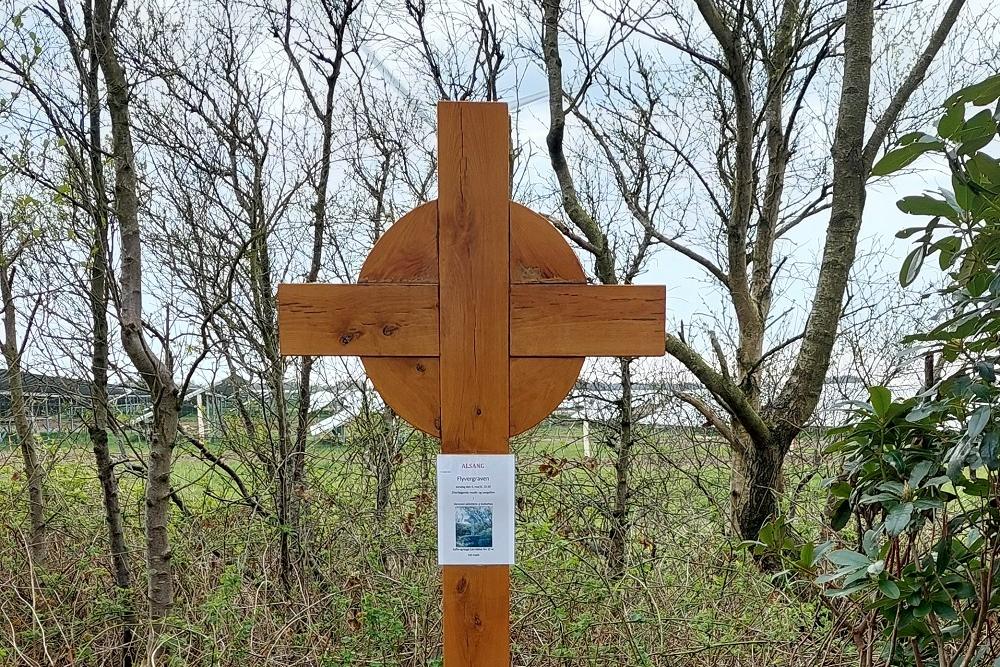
(347, 337)
(390, 329)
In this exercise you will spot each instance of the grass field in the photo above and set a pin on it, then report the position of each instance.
(690, 596)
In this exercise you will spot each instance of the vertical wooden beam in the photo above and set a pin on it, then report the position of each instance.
(474, 275)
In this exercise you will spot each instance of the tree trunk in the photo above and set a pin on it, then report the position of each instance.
(285, 497)
(33, 471)
(755, 482)
(98, 431)
(383, 481)
(298, 471)
(298, 481)
(930, 370)
(158, 491)
(156, 372)
(620, 528)
(286, 465)
(98, 297)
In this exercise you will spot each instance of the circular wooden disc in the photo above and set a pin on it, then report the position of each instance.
(407, 253)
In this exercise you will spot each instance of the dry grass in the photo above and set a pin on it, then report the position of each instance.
(371, 593)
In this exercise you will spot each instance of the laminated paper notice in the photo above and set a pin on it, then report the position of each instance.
(475, 509)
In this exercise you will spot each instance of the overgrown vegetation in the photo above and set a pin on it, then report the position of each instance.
(918, 572)
(690, 596)
(164, 166)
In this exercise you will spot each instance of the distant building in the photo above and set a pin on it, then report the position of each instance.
(61, 404)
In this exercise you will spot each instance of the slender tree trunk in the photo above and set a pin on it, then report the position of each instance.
(338, 22)
(383, 482)
(594, 240)
(33, 471)
(930, 370)
(285, 490)
(159, 554)
(305, 378)
(98, 431)
(618, 533)
(386, 450)
(157, 373)
(850, 174)
(597, 240)
(298, 475)
(98, 297)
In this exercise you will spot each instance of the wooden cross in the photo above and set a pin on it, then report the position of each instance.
(472, 318)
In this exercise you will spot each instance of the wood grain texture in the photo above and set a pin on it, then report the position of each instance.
(351, 320)
(589, 320)
(537, 387)
(538, 252)
(407, 252)
(476, 615)
(411, 386)
(474, 275)
(474, 271)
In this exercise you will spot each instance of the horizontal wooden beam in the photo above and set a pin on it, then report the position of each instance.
(587, 320)
(400, 320)
(358, 320)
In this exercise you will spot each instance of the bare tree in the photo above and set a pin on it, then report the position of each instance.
(620, 253)
(156, 370)
(18, 229)
(756, 66)
(72, 113)
(220, 146)
(316, 45)
(470, 60)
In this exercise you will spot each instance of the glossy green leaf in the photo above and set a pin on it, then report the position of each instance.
(903, 156)
(898, 518)
(980, 94)
(889, 588)
(919, 472)
(841, 515)
(987, 168)
(926, 205)
(978, 420)
(950, 123)
(947, 248)
(909, 231)
(976, 133)
(848, 558)
(911, 266)
(944, 611)
(881, 399)
(989, 449)
(942, 555)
